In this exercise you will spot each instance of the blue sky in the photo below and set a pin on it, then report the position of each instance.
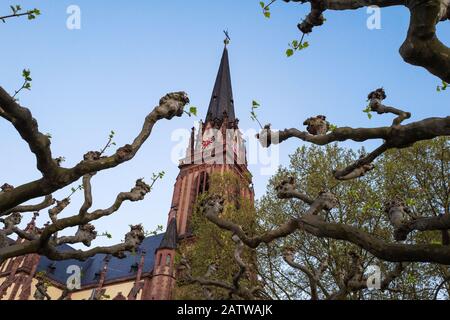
(112, 72)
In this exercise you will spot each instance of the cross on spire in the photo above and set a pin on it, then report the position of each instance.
(227, 37)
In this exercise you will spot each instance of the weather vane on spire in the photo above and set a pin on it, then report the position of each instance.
(227, 39)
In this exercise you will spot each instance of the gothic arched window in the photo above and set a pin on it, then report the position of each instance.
(203, 185)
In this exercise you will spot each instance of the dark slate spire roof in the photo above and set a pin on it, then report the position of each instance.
(222, 96)
(170, 237)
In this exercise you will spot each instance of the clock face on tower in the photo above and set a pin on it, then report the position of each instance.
(208, 142)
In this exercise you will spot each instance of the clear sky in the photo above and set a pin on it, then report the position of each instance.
(110, 74)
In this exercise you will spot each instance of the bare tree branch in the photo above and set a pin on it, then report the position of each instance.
(396, 136)
(422, 47)
(55, 177)
(47, 202)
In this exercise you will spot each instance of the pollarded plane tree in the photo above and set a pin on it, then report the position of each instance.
(300, 266)
(14, 200)
(421, 48)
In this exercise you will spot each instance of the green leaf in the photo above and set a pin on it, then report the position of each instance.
(262, 4)
(255, 104)
(289, 52)
(193, 111)
(332, 127)
(26, 73)
(267, 14)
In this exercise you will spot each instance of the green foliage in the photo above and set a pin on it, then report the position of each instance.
(442, 87)
(106, 234)
(332, 127)
(158, 229)
(253, 115)
(16, 11)
(212, 244)
(193, 111)
(74, 190)
(159, 175)
(43, 275)
(296, 45)
(110, 142)
(419, 175)
(255, 105)
(33, 13)
(26, 75)
(266, 8)
(368, 110)
(289, 52)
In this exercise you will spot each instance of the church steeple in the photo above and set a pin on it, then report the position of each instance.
(222, 103)
(171, 236)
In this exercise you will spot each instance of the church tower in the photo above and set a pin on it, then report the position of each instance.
(216, 146)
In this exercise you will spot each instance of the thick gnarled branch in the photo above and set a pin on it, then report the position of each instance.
(55, 177)
(396, 136)
(314, 224)
(421, 46)
(46, 241)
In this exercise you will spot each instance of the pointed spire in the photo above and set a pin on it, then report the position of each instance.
(170, 237)
(222, 102)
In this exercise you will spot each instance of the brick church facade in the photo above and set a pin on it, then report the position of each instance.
(149, 273)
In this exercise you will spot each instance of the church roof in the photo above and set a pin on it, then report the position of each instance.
(117, 268)
(222, 95)
(171, 236)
